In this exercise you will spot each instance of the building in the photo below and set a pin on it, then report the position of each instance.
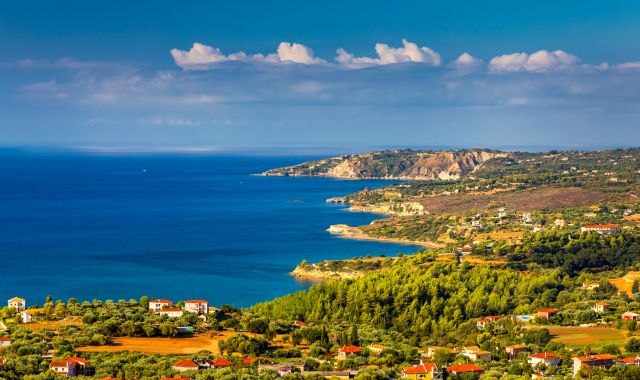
(376, 349)
(546, 358)
(482, 323)
(475, 353)
(344, 351)
(185, 365)
(628, 361)
(171, 312)
(630, 316)
(424, 370)
(547, 313)
(17, 302)
(220, 363)
(559, 223)
(461, 369)
(5, 341)
(592, 361)
(158, 304)
(71, 367)
(26, 317)
(515, 350)
(601, 307)
(282, 368)
(200, 307)
(602, 228)
(538, 228)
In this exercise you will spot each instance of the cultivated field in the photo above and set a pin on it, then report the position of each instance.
(165, 346)
(592, 336)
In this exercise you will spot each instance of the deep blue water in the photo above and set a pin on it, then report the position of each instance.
(167, 226)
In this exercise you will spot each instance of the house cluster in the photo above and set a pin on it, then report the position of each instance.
(71, 367)
(190, 365)
(429, 370)
(20, 304)
(166, 307)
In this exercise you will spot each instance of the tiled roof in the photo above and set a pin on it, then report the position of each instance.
(196, 301)
(160, 301)
(4, 339)
(464, 368)
(186, 363)
(424, 367)
(544, 355)
(221, 362)
(602, 226)
(547, 311)
(350, 349)
(595, 357)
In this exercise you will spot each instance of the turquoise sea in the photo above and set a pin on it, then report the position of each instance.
(172, 226)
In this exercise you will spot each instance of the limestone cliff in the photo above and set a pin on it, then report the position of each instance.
(397, 164)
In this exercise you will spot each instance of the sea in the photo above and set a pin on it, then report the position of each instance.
(177, 226)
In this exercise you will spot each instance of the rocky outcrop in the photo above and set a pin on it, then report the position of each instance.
(401, 164)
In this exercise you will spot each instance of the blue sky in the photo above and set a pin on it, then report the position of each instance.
(304, 74)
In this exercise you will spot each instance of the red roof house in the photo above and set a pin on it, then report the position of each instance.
(185, 365)
(459, 369)
(220, 363)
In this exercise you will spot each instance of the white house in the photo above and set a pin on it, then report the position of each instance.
(5, 341)
(17, 302)
(546, 358)
(26, 317)
(158, 304)
(200, 307)
(602, 228)
(171, 312)
(475, 353)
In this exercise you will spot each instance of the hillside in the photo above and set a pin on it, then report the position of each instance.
(395, 164)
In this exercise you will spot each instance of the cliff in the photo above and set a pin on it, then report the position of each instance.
(396, 164)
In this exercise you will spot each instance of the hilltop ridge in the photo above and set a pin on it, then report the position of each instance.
(395, 164)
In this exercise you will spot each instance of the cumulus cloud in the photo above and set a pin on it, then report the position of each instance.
(410, 52)
(540, 61)
(466, 63)
(202, 57)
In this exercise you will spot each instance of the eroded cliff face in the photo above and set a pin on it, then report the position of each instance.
(399, 165)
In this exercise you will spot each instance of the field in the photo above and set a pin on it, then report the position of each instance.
(547, 198)
(625, 283)
(53, 325)
(165, 346)
(592, 336)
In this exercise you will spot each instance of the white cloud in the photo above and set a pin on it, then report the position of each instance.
(466, 63)
(410, 52)
(202, 57)
(169, 121)
(297, 53)
(628, 66)
(540, 61)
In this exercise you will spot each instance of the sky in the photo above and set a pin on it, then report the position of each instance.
(282, 74)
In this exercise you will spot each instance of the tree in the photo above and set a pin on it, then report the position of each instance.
(632, 345)
(144, 302)
(354, 338)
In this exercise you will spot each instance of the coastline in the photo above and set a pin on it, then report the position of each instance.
(349, 232)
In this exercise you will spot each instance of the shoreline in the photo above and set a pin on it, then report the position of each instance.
(349, 232)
